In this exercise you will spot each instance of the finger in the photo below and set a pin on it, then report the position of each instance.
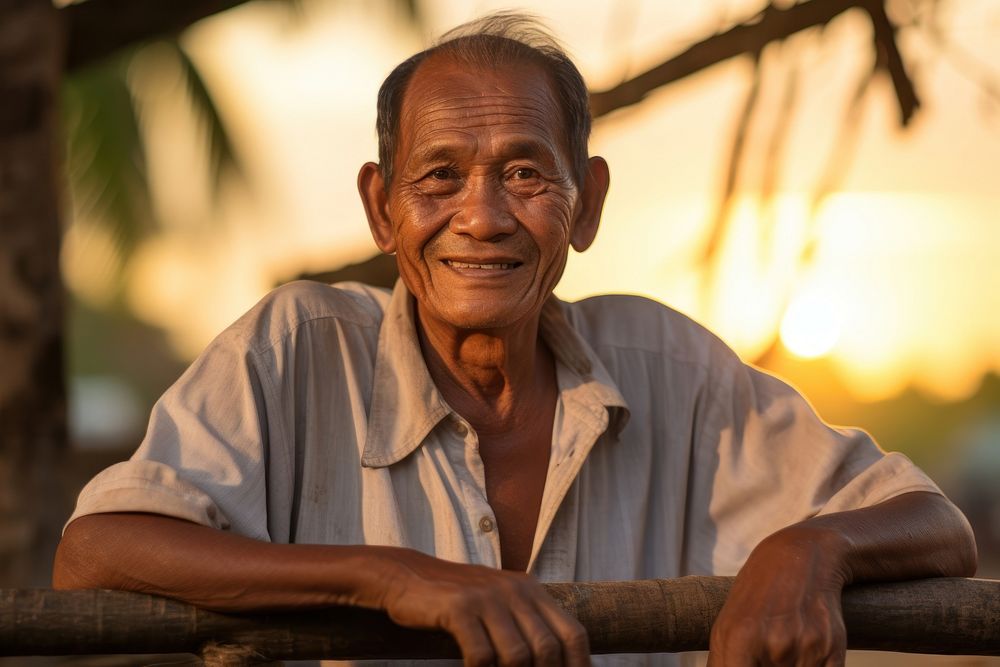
(825, 644)
(473, 641)
(556, 638)
(837, 656)
(814, 647)
(733, 647)
(717, 658)
(736, 659)
(511, 646)
(546, 647)
(783, 641)
(574, 643)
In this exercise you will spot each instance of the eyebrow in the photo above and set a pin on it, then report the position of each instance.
(529, 148)
(440, 152)
(518, 148)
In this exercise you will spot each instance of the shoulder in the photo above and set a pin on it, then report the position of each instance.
(306, 304)
(625, 322)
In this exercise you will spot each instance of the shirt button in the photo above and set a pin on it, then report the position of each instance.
(461, 428)
(486, 524)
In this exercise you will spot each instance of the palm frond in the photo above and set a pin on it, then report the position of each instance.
(222, 155)
(105, 159)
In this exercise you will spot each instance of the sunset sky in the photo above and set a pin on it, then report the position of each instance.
(902, 287)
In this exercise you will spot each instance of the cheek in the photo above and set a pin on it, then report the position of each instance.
(548, 222)
(416, 220)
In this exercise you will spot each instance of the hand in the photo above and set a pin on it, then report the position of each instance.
(784, 607)
(496, 616)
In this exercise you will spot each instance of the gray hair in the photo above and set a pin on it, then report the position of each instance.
(491, 41)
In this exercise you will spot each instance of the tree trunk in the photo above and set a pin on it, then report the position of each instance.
(32, 390)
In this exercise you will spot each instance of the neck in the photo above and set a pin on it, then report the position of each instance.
(491, 377)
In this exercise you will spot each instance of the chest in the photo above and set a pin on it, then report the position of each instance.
(515, 470)
(463, 496)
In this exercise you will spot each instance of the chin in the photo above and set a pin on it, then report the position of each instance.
(482, 316)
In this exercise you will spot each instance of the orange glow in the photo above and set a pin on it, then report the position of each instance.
(901, 289)
(893, 295)
(916, 279)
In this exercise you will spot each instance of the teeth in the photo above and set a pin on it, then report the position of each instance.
(466, 265)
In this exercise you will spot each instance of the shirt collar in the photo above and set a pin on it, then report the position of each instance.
(406, 405)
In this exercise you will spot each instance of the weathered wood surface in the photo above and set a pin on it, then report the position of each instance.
(947, 616)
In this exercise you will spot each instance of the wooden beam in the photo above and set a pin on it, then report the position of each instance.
(98, 28)
(947, 616)
(884, 36)
(771, 25)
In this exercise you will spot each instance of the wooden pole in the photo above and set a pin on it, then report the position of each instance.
(944, 616)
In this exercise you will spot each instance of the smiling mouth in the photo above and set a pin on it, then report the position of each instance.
(486, 267)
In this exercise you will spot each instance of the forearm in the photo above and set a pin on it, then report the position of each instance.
(496, 616)
(216, 569)
(784, 606)
(910, 536)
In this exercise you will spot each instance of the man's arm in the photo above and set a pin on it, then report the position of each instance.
(496, 616)
(784, 607)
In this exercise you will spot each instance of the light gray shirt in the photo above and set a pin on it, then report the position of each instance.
(313, 419)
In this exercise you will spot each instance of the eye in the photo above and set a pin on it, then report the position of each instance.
(440, 181)
(524, 181)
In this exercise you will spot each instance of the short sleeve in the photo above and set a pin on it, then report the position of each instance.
(204, 454)
(770, 461)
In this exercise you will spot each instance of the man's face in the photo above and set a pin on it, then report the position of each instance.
(482, 201)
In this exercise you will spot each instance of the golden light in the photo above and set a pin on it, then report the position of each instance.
(90, 262)
(897, 292)
(915, 278)
(811, 326)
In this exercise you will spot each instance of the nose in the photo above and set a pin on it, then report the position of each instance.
(483, 213)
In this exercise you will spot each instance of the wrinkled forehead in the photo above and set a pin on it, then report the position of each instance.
(448, 95)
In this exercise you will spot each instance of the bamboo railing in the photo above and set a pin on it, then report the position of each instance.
(944, 616)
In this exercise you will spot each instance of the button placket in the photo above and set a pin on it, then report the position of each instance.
(480, 524)
(487, 522)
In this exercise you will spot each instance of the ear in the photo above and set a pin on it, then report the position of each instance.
(588, 216)
(371, 187)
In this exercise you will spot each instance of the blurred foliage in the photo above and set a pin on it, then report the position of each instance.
(106, 176)
(105, 160)
(105, 156)
(222, 154)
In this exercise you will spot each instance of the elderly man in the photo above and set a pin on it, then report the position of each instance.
(435, 451)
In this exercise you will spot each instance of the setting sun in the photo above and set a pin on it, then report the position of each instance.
(811, 326)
